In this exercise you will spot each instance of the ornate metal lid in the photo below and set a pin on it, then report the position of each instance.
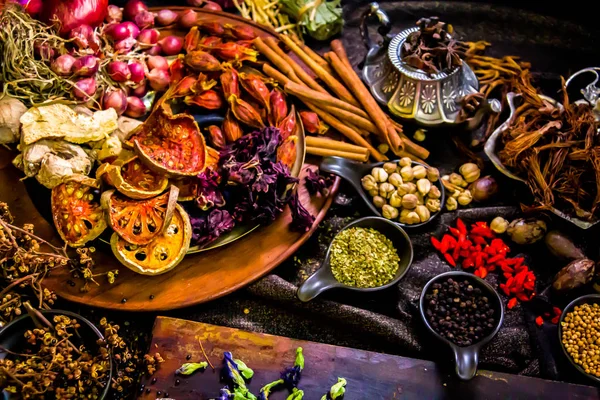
(395, 56)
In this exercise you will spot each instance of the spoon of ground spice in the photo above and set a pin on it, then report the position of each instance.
(367, 255)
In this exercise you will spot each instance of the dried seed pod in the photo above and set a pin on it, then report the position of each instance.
(499, 225)
(451, 204)
(434, 192)
(409, 201)
(423, 186)
(378, 201)
(395, 179)
(411, 218)
(210, 41)
(420, 198)
(289, 124)
(526, 231)
(256, 87)
(403, 189)
(368, 182)
(457, 180)
(177, 70)
(386, 190)
(184, 87)
(379, 174)
(574, 275)
(278, 107)
(423, 213)
(407, 173)
(202, 61)
(419, 172)
(433, 205)
(216, 136)
(203, 84)
(433, 174)
(191, 40)
(390, 167)
(465, 198)
(470, 172)
(210, 100)
(230, 82)
(412, 188)
(240, 32)
(232, 51)
(405, 162)
(231, 128)
(312, 123)
(212, 28)
(389, 212)
(245, 113)
(374, 192)
(396, 200)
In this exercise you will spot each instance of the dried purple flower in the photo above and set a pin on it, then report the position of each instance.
(317, 183)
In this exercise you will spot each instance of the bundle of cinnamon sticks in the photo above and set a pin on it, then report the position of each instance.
(344, 102)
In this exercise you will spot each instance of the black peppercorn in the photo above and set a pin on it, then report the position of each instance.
(177, 381)
(153, 381)
(123, 300)
(148, 390)
(151, 297)
(189, 356)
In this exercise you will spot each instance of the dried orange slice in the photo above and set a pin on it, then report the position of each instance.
(76, 210)
(139, 221)
(163, 254)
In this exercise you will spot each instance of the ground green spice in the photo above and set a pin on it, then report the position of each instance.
(363, 257)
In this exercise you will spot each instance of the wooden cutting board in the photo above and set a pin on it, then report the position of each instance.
(370, 376)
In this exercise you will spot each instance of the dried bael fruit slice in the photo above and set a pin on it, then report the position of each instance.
(135, 180)
(139, 221)
(170, 144)
(163, 253)
(188, 188)
(76, 209)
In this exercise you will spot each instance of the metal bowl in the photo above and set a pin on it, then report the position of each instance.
(323, 279)
(590, 299)
(353, 172)
(466, 358)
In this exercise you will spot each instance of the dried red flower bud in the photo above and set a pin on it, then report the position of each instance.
(192, 40)
(255, 86)
(216, 136)
(245, 113)
(312, 123)
(278, 107)
(210, 100)
(286, 152)
(177, 70)
(202, 61)
(231, 128)
(234, 52)
(203, 84)
(213, 28)
(184, 87)
(288, 126)
(210, 41)
(212, 158)
(229, 82)
(245, 43)
(240, 32)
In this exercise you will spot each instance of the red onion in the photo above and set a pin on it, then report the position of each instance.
(148, 36)
(117, 31)
(154, 50)
(84, 88)
(171, 45)
(159, 79)
(188, 18)
(85, 66)
(72, 13)
(166, 17)
(196, 3)
(118, 71)
(63, 65)
(137, 72)
(145, 19)
(33, 7)
(81, 35)
(135, 107)
(157, 62)
(211, 5)
(115, 99)
(133, 8)
(132, 28)
(114, 14)
(140, 90)
(124, 46)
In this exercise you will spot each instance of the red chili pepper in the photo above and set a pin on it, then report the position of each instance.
(523, 297)
(539, 321)
(490, 250)
(455, 232)
(491, 268)
(546, 314)
(509, 282)
(455, 252)
(507, 275)
(556, 311)
(478, 240)
(482, 224)
(468, 263)
(461, 226)
(529, 285)
(505, 268)
(495, 259)
(436, 243)
(464, 253)
(478, 260)
(505, 288)
(512, 303)
(482, 272)
(450, 259)
(481, 231)
(555, 319)
(466, 244)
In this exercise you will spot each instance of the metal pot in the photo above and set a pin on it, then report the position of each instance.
(410, 93)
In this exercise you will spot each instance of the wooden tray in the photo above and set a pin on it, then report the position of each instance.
(199, 278)
(370, 376)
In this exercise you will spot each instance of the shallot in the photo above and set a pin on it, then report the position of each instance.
(116, 99)
(117, 31)
(114, 14)
(137, 72)
(159, 79)
(144, 19)
(85, 66)
(171, 45)
(33, 7)
(154, 50)
(166, 17)
(125, 46)
(148, 36)
(85, 88)
(63, 65)
(69, 14)
(157, 62)
(135, 107)
(188, 18)
(133, 8)
(140, 90)
(211, 5)
(132, 28)
(81, 35)
(118, 71)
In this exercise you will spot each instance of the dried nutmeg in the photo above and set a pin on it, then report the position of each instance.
(457, 180)
(470, 172)
(434, 192)
(451, 204)
(374, 192)
(574, 275)
(403, 189)
(433, 174)
(390, 167)
(411, 218)
(395, 200)
(412, 188)
(433, 205)
(386, 190)
(423, 213)
(369, 183)
(389, 212)
(245, 113)
(278, 107)
(405, 162)
(395, 179)
(231, 128)
(378, 201)
(419, 172)
(423, 186)
(407, 173)
(465, 198)
(379, 174)
(410, 201)
(202, 61)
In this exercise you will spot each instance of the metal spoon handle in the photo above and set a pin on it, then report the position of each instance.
(466, 361)
(316, 284)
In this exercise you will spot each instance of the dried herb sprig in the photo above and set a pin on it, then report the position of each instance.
(432, 48)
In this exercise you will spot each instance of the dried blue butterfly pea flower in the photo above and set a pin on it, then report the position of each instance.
(265, 391)
(337, 391)
(190, 368)
(291, 376)
(245, 371)
(297, 394)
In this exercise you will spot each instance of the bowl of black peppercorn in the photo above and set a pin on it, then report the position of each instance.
(464, 312)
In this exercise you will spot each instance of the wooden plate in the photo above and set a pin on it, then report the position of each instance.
(200, 277)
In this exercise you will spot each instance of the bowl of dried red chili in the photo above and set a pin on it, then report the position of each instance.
(464, 312)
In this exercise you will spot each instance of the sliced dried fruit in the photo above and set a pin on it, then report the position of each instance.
(135, 180)
(170, 144)
(78, 215)
(161, 255)
(188, 187)
(286, 152)
(139, 221)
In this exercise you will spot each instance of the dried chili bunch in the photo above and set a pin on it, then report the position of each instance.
(432, 48)
(51, 366)
(557, 150)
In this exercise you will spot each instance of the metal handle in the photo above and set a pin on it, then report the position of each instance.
(466, 361)
(317, 283)
(591, 93)
(384, 24)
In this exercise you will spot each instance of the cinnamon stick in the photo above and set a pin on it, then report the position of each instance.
(338, 48)
(336, 86)
(348, 132)
(273, 57)
(317, 151)
(301, 73)
(349, 117)
(312, 54)
(278, 76)
(325, 143)
(305, 93)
